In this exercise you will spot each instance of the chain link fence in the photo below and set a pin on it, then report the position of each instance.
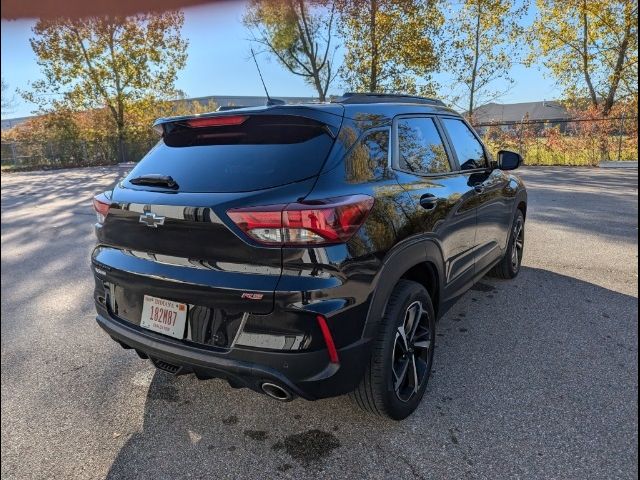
(577, 141)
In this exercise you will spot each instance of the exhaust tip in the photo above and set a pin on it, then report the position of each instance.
(276, 392)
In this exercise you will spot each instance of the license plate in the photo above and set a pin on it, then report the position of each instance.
(164, 316)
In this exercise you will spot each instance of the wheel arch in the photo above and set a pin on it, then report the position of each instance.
(426, 274)
(420, 261)
(520, 202)
(522, 206)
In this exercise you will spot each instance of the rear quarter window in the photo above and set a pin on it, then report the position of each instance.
(369, 158)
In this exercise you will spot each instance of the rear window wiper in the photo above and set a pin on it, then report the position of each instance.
(155, 180)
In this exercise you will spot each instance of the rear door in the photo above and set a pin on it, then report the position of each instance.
(180, 238)
(492, 191)
(441, 194)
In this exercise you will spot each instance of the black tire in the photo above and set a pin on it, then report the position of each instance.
(377, 392)
(509, 266)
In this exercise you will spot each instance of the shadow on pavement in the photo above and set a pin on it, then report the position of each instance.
(590, 201)
(520, 369)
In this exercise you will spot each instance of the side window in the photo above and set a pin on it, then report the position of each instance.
(369, 158)
(420, 147)
(468, 148)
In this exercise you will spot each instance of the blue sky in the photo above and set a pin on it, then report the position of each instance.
(219, 62)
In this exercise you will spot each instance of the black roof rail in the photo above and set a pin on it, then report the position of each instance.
(372, 97)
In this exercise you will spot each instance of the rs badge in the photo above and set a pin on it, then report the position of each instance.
(252, 296)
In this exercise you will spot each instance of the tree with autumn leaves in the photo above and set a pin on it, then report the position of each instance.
(300, 34)
(390, 45)
(483, 41)
(124, 69)
(121, 64)
(590, 47)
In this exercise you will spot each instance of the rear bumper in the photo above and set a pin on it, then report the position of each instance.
(309, 375)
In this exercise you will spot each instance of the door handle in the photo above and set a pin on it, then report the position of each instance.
(428, 201)
(479, 187)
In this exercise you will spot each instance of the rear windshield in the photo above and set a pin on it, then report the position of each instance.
(263, 152)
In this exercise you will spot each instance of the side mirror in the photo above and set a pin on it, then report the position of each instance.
(508, 160)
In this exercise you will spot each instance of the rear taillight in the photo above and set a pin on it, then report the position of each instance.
(101, 205)
(326, 222)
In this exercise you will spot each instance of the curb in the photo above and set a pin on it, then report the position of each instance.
(618, 164)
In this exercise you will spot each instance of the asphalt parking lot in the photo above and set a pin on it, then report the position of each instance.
(534, 378)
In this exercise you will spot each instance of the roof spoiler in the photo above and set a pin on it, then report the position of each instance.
(332, 120)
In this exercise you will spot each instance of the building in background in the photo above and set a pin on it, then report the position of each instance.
(517, 112)
(508, 115)
(12, 122)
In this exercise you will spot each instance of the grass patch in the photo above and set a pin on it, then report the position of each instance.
(569, 151)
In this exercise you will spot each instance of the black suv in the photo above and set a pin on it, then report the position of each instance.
(305, 250)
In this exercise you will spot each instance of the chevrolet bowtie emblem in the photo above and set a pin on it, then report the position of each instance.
(150, 219)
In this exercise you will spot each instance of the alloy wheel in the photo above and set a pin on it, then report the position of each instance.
(518, 244)
(411, 352)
